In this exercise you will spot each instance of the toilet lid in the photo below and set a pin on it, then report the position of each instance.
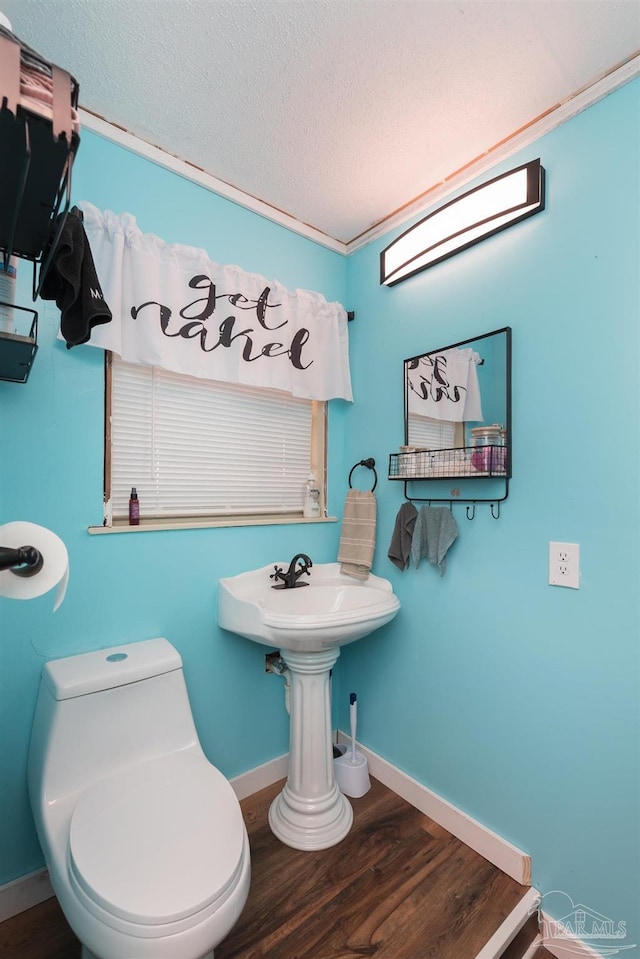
(158, 842)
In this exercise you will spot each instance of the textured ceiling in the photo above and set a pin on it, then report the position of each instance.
(337, 112)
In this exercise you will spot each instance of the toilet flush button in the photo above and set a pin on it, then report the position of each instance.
(117, 657)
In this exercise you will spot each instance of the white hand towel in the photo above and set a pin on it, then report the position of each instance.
(358, 536)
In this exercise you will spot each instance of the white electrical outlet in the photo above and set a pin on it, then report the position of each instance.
(564, 565)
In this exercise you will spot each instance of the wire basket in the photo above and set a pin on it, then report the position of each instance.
(469, 461)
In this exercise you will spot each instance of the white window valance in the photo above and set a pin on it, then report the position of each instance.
(174, 308)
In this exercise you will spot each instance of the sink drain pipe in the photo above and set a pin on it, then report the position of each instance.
(277, 665)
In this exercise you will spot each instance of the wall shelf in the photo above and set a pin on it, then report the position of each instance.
(17, 351)
(468, 463)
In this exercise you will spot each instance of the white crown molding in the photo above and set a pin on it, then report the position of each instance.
(437, 194)
(534, 131)
(116, 134)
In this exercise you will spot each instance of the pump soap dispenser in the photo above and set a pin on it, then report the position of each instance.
(311, 505)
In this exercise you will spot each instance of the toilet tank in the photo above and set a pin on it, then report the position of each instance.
(99, 712)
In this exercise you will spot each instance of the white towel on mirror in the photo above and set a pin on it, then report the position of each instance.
(444, 386)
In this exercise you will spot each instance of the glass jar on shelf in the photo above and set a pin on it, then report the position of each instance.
(488, 449)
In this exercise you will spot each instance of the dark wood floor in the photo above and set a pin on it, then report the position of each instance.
(398, 887)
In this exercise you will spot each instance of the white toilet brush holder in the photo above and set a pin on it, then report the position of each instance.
(351, 768)
(352, 777)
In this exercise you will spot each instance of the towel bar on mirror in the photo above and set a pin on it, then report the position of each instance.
(493, 501)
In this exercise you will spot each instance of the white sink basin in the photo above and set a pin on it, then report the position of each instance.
(332, 610)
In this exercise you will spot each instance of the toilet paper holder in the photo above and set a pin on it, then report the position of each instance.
(23, 561)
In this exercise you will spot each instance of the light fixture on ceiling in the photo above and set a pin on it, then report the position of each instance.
(485, 210)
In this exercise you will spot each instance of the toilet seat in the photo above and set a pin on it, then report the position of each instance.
(158, 843)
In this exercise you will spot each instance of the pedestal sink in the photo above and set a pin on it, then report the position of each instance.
(308, 625)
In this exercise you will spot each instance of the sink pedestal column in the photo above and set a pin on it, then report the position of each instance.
(310, 812)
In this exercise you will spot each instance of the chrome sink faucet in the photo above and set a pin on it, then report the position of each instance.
(293, 574)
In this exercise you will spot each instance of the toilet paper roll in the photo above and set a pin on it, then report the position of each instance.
(55, 566)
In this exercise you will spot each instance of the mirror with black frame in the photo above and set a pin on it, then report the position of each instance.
(457, 402)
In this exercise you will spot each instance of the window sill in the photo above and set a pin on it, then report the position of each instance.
(147, 526)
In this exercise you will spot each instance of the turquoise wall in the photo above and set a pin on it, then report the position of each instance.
(515, 700)
(127, 587)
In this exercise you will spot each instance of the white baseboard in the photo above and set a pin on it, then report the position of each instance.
(246, 784)
(533, 948)
(23, 893)
(508, 930)
(503, 854)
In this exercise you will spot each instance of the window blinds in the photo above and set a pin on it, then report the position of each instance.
(430, 434)
(195, 447)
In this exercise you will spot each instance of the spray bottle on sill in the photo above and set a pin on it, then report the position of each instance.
(134, 508)
(311, 503)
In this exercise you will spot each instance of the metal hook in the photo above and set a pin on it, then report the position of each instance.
(473, 513)
(495, 515)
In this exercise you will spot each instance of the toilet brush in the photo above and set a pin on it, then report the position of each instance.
(351, 768)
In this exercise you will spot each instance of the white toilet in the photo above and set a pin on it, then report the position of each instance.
(144, 839)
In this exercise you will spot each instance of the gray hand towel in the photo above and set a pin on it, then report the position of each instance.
(400, 546)
(433, 534)
(358, 535)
